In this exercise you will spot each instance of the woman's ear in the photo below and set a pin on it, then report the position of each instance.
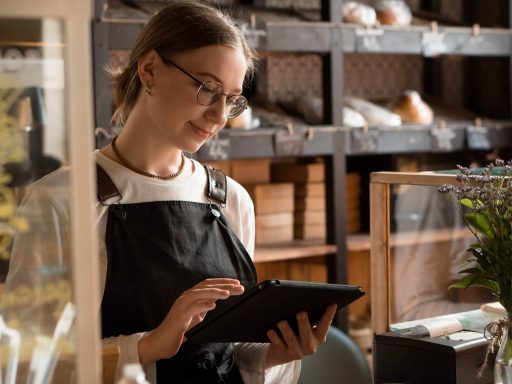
(146, 67)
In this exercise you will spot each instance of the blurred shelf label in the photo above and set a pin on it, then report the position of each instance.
(368, 40)
(364, 141)
(218, 149)
(478, 137)
(288, 144)
(442, 139)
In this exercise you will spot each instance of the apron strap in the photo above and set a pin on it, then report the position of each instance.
(216, 188)
(106, 188)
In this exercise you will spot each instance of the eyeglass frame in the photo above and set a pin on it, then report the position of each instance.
(168, 61)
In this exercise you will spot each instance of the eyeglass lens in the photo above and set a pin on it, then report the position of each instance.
(210, 92)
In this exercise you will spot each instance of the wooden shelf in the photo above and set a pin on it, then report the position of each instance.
(296, 249)
(361, 242)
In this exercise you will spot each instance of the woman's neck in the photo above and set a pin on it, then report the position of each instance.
(147, 154)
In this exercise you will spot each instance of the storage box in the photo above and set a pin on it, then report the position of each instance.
(310, 204)
(404, 359)
(224, 166)
(251, 171)
(310, 231)
(316, 189)
(271, 198)
(298, 172)
(309, 217)
(274, 228)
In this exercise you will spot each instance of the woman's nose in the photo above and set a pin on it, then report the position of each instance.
(218, 111)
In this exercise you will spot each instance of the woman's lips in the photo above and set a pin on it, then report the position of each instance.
(201, 132)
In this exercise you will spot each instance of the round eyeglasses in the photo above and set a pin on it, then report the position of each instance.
(209, 92)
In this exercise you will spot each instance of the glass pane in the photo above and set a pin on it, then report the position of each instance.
(430, 241)
(36, 312)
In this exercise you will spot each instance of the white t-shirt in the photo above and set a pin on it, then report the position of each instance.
(47, 205)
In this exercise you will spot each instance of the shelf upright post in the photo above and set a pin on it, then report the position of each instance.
(336, 212)
(336, 163)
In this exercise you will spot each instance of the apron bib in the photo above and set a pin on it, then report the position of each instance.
(156, 251)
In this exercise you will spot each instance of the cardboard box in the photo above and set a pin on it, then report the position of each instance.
(274, 228)
(298, 172)
(309, 217)
(310, 204)
(272, 198)
(251, 171)
(310, 232)
(316, 189)
(224, 166)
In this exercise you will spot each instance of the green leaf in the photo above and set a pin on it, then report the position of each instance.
(475, 281)
(467, 202)
(465, 282)
(480, 222)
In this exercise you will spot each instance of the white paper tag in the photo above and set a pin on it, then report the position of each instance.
(437, 328)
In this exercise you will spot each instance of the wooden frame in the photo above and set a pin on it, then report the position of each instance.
(76, 16)
(380, 238)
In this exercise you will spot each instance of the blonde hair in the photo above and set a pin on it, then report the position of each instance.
(180, 26)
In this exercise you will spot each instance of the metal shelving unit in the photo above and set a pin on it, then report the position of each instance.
(332, 40)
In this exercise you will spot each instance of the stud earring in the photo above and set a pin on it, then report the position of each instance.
(148, 89)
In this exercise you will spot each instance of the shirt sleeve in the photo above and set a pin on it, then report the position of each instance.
(38, 284)
(250, 359)
(129, 353)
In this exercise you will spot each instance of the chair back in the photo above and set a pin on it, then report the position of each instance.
(338, 360)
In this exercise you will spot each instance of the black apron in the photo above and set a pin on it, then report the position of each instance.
(156, 251)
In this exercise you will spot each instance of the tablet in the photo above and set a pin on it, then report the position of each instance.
(248, 317)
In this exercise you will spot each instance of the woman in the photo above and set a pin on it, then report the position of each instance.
(168, 254)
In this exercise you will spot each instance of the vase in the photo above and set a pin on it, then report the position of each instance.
(503, 362)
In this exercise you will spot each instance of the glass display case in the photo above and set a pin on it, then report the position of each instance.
(418, 247)
(49, 299)
(424, 330)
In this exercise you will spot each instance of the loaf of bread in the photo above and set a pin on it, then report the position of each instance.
(352, 118)
(393, 12)
(373, 113)
(412, 109)
(244, 120)
(359, 13)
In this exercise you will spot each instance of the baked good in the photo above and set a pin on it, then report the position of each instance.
(352, 118)
(359, 13)
(412, 109)
(373, 113)
(393, 12)
(244, 120)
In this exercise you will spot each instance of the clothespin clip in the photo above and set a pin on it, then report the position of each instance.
(475, 30)
(289, 127)
(309, 133)
(434, 27)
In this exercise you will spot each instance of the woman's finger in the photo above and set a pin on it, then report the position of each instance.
(305, 331)
(217, 281)
(325, 322)
(274, 338)
(234, 289)
(289, 336)
(205, 294)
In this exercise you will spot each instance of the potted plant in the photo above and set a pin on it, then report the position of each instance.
(484, 198)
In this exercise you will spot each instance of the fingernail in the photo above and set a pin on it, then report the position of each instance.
(301, 315)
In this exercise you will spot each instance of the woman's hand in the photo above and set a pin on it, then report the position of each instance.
(292, 347)
(188, 310)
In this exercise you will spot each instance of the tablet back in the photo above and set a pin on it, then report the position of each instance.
(247, 318)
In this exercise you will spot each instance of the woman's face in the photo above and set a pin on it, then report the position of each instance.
(175, 115)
